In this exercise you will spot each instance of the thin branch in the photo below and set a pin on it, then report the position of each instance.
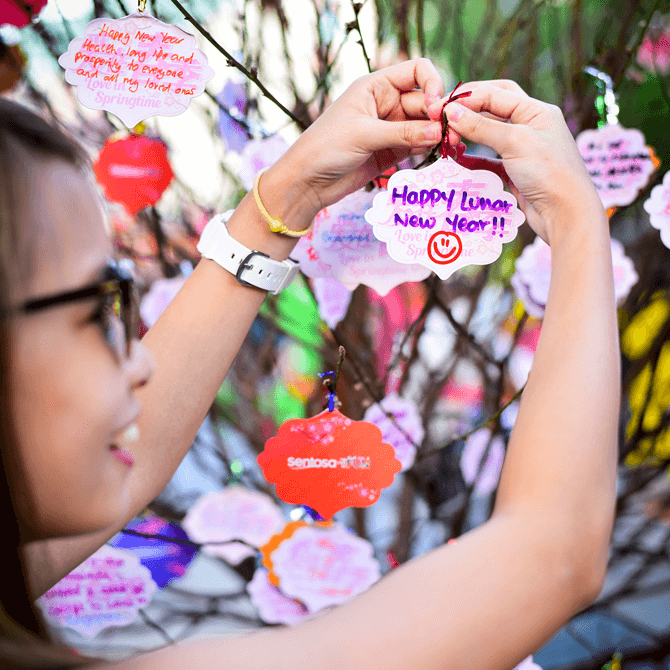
(232, 62)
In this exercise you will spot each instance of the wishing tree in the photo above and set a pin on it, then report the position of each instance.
(437, 364)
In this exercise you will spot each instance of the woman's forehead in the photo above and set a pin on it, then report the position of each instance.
(63, 220)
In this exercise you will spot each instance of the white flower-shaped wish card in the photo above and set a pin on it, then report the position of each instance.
(658, 208)
(218, 519)
(619, 161)
(320, 565)
(107, 589)
(445, 217)
(135, 67)
(342, 246)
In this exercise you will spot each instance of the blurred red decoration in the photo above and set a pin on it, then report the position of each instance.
(329, 462)
(19, 12)
(134, 171)
(12, 62)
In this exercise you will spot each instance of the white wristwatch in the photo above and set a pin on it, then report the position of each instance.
(251, 268)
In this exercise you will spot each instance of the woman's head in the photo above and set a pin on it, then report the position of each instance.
(66, 377)
(70, 390)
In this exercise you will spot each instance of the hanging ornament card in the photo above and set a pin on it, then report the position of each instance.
(320, 564)
(107, 589)
(135, 67)
(619, 161)
(445, 217)
(341, 246)
(329, 462)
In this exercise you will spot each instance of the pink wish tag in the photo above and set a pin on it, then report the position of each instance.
(135, 67)
(445, 217)
(658, 208)
(619, 162)
(236, 513)
(273, 605)
(342, 246)
(107, 589)
(323, 566)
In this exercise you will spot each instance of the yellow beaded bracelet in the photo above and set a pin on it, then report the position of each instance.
(276, 225)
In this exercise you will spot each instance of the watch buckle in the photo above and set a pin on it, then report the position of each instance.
(244, 265)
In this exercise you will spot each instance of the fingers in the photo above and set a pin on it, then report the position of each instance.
(504, 84)
(414, 104)
(377, 134)
(415, 73)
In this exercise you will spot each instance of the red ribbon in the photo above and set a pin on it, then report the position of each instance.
(444, 148)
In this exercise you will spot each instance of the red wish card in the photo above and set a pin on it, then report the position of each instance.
(329, 462)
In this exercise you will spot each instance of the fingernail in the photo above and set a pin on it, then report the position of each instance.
(433, 132)
(132, 433)
(454, 112)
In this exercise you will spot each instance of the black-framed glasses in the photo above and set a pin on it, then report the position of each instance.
(117, 304)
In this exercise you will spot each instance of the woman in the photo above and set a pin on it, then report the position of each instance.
(81, 461)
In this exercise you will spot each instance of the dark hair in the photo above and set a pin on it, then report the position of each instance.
(24, 637)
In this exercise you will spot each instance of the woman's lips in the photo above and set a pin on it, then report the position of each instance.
(122, 455)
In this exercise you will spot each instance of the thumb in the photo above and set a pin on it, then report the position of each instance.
(395, 134)
(479, 129)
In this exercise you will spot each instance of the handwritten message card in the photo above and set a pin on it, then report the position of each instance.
(333, 299)
(324, 566)
(342, 246)
(107, 589)
(658, 208)
(273, 605)
(445, 217)
(619, 162)
(235, 513)
(135, 67)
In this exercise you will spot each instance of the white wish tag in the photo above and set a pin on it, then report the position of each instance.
(619, 162)
(135, 67)
(445, 217)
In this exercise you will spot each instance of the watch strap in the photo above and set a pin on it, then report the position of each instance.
(251, 268)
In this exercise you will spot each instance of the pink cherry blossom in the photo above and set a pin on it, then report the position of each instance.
(654, 53)
(533, 273)
(259, 154)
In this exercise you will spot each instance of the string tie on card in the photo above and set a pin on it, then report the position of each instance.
(141, 5)
(444, 148)
(328, 382)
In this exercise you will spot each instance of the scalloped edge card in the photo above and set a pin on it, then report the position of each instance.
(135, 67)
(658, 208)
(618, 160)
(341, 245)
(445, 217)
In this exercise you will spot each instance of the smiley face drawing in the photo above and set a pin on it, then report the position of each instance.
(444, 247)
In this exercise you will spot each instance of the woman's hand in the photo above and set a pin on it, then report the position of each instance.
(540, 160)
(379, 120)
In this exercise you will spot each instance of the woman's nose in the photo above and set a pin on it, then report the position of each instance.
(140, 365)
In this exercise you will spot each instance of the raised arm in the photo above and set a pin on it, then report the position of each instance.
(380, 119)
(504, 588)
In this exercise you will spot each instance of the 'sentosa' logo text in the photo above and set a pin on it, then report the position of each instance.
(358, 462)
